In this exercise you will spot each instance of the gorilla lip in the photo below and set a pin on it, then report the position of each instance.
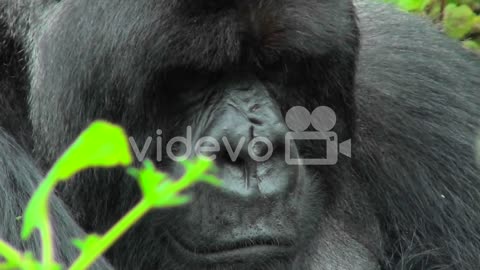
(245, 250)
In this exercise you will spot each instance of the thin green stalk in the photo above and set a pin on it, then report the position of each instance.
(45, 228)
(47, 244)
(88, 257)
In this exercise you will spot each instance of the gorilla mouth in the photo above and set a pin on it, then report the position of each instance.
(245, 250)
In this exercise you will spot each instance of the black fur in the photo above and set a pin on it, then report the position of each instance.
(407, 95)
(421, 164)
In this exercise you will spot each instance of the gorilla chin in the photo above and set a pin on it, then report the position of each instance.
(233, 70)
(257, 216)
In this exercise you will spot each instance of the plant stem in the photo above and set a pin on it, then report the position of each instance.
(45, 226)
(47, 244)
(88, 257)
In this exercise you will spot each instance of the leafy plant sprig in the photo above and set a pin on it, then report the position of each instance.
(102, 145)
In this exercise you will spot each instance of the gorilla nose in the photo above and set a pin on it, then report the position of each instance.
(251, 132)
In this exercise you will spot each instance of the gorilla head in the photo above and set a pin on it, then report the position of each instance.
(230, 71)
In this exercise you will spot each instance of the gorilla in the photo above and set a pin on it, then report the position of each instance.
(406, 96)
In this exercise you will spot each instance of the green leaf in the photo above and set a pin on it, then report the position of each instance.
(174, 201)
(476, 25)
(36, 213)
(472, 45)
(150, 181)
(160, 191)
(458, 21)
(101, 145)
(90, 241)
(413, 5)
(410, 5)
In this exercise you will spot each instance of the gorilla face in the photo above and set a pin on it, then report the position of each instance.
(259, 214)
(229, 71)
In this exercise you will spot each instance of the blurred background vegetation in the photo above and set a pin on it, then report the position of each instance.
(460, 19)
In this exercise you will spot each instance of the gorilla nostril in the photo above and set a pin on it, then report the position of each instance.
(254, 108)
(255, 121)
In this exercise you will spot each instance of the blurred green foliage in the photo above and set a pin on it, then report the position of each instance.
(460, 19)
(102, 145)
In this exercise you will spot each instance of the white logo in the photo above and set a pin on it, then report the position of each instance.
(323, 120)
(298, 119)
